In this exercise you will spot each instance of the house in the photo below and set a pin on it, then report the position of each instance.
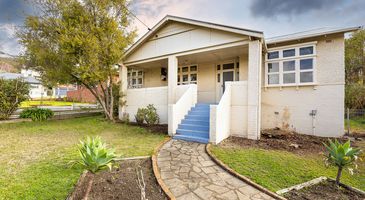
(209, 81)
(36, 89)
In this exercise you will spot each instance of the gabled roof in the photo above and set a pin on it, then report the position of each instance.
(309, 34)
(167, 18)
(29, 79)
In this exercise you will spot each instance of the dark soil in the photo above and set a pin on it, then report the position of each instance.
(277, 139)
(324, 190)
(120, 183)
(156, 128)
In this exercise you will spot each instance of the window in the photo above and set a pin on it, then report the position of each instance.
(273, 55)
(135, 78)
(187, 75)
(289, 53)
(291, 66)
(306, 51)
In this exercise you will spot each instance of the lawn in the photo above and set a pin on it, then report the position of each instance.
(356, 125)
(35, 156)
(277, 170)
(31, 103)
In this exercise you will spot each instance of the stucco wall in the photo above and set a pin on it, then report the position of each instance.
(239, 108)
(138, 98)
(206, 83)
(152, 77)
(289, 107)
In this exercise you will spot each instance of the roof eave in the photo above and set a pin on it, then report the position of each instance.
(344, 30)
(167, 18)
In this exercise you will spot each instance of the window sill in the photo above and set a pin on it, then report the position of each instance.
(292, 85)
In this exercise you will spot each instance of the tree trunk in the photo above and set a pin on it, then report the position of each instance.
(339, 173)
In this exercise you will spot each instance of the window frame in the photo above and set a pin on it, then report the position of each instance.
(130, 78)
(188, 73)
(297, 59)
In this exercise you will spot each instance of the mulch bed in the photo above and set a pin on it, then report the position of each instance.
(120, 183)
(277, 139)
(324, 190)
(156, 128)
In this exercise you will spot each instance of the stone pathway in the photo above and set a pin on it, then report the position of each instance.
(190, 174)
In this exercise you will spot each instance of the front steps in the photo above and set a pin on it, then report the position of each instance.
(195, 126)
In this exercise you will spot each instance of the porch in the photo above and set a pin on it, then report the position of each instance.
(222, 77)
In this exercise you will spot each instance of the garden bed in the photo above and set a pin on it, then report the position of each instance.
(120, 183)
(156, 128)
(277, 139)
(325, 189)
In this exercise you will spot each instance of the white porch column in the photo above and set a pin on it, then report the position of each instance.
(171, 91)
(123, 88)
(254, 89)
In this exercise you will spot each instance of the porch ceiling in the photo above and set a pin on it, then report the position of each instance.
(202, 57)
(214, 56)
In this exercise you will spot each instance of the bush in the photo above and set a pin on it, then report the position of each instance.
(95, 155)
(140, 115)
(341, 156)
(12, 93)
(37, 114)
(151, 116)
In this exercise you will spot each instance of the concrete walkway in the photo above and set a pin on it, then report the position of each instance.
(190, 174)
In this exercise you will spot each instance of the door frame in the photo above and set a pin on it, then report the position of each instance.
(219, 75)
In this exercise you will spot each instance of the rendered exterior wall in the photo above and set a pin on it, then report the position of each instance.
(138, 98)
(289, 107)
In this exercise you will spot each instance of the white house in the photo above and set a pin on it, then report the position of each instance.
(36, 89)
(209, 81)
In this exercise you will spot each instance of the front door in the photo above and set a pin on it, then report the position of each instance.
(227, 76)
(226, 71)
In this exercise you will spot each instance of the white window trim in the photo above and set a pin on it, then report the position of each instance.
(130, 77)
(297, 59)
(181, 73)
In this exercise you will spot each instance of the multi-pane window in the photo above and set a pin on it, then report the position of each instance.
(187, 75)
(135, 78)
(291, 66)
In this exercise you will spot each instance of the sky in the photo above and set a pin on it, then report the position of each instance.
(273, 17)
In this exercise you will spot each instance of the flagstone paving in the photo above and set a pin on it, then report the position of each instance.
(190, 174)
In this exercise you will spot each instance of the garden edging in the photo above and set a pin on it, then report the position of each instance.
(156, 172)
(241, 177)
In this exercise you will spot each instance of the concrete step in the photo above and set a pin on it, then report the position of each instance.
(198, 117)
(191, 138)
(194, 127)
(195, 133)
(194, 122)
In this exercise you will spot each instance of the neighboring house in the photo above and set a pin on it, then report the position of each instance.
(210, 81)
(61, 90)
(36, 89)
(81, 94)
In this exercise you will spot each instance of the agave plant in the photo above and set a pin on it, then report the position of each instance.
(342, 156)
(95, 155)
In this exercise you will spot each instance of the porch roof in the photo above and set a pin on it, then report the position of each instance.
(167, 18)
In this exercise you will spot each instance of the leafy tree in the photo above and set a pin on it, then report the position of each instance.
(12, 93)
(341, 156)
(355, 70)
(73, 41)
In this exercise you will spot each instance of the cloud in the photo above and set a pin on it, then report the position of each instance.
(273, 8)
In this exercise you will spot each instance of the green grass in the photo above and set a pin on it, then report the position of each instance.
(277, 170)
(356, 125)
(35, 156)
(31, 103)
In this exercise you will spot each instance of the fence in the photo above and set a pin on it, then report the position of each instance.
(355, 121)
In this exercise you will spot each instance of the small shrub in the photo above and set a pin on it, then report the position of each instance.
(37, 114)
(151, 116)
(12, 93)
(95, 155)
(140, 116)
(341, 155)
(125, 118)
